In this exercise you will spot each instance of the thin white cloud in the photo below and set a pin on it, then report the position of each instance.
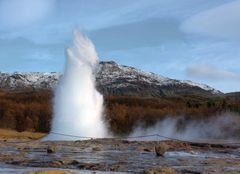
(222, 22)
(18, 13)
(205, 71)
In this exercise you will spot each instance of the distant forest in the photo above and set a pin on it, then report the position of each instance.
(32, 110)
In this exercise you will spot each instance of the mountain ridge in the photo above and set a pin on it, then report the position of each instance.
(111, 79)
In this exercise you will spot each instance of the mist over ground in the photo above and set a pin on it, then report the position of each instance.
(223, 126)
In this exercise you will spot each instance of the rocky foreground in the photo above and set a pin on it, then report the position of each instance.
(112, 155)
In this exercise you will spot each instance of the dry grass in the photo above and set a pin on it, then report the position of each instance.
(11, 134)
(162, 170)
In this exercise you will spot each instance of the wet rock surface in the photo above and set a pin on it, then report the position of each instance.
(161, 148)
(121, 156)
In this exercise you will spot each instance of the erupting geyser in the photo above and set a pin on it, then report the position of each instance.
(78, 106)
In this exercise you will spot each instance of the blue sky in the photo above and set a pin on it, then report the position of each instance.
(197, 40)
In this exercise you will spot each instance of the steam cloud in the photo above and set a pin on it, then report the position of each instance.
(78, 106)
(225, 126)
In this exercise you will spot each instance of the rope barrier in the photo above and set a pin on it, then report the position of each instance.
(122, 137)
(138, 137)
(119, 137)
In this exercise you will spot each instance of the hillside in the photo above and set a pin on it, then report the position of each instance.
(112, 79)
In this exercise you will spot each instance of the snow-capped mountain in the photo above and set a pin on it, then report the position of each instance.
(111, 79)
(31, 80)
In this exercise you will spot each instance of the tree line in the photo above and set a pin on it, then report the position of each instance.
(31, 110)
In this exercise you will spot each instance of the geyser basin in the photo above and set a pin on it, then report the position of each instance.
(78, 105)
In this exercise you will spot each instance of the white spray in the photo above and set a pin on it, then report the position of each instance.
(78, 106)
(223, 126)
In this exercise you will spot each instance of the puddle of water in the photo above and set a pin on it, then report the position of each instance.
(231, 169)
(10, 169)
(199, 154)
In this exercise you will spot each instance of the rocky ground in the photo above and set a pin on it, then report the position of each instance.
(112, 155)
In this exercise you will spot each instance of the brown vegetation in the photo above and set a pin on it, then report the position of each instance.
(12, 134)
(26, 111)
(124, 113)
(32, 110)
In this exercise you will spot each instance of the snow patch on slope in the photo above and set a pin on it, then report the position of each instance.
(29, 80)
(108, 74)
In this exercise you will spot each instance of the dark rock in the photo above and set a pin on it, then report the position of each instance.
(51, 150)
(163, 170)
(96, 148)
(188, 171)
(161, 148)
(144, 149)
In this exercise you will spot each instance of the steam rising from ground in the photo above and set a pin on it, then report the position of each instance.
(78, 106)
(225, 126)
